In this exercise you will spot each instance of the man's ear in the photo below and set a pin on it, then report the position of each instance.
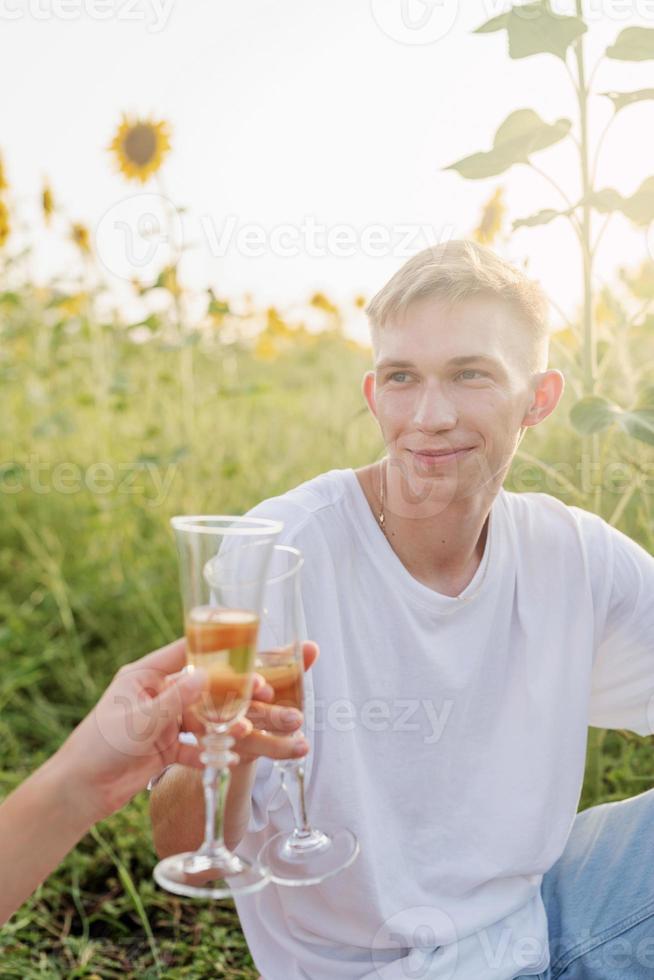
(368, 389)
(547, 390)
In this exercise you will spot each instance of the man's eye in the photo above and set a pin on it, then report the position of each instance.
(469, 371)
(398, 374)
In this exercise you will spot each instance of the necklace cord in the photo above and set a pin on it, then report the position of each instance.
(381, 520)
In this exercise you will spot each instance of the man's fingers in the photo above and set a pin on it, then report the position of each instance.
(261, 689)
(191, 721)
(241, 728)
(274, 718)
(271, 746)
(189, 755)
(310, 653)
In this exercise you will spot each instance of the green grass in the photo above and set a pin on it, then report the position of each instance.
(89, 581)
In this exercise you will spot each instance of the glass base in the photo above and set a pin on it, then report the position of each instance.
(219, 875)
(297, 859)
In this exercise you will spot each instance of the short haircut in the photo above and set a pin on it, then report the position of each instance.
(458, 270)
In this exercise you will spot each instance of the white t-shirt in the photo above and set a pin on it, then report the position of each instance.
(450, 736)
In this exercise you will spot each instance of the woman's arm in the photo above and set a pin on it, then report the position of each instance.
(39, 823)
(130, 735)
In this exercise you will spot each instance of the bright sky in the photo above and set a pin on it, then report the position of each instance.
(322, 126)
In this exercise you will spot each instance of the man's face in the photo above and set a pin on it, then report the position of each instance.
(452, 378)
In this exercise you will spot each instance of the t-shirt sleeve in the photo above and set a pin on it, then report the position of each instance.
(622, 679)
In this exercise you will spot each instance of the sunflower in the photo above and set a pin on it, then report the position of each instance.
(73, 305)
(47, 202)
(265, 348)
(80, 235)
(3, 177)
(140, 146)
(5, 227)
(167, 279)
(321, 302)
(492, 218)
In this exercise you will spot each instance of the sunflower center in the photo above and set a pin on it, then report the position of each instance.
(140, 144)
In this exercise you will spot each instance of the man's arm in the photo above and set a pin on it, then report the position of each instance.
(622, 679)
(177, 800)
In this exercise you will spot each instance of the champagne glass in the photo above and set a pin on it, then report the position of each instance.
(223, 565)
(307, 855)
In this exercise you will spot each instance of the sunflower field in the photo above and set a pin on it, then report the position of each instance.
(110, 426)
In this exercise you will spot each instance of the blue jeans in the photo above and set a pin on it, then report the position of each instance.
(599, 896)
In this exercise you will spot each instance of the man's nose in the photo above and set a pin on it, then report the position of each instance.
(434, 409)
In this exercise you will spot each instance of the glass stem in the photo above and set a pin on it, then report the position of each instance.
(294, 787)
(215, 780)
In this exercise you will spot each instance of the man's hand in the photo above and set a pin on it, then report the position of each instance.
(268, 730)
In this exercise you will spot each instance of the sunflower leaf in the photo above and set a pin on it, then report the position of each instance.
(633, 44)
(605, 200)
(523, 132)
(540, 218)
(218, 307)
(9, 298)
(639, 424)
(534, 28)
(639, 207)
(592, 414)
(622, 99)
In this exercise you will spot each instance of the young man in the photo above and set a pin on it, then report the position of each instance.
(469, 636)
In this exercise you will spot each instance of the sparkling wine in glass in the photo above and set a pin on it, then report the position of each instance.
(223, 567)
(307, 855)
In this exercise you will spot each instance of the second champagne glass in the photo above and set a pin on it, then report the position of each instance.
(307, 855)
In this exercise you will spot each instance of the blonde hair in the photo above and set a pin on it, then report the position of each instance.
(459, 270)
